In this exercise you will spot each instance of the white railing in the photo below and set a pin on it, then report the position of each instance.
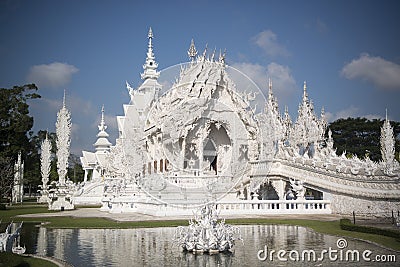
(275, 207)
(256, 207)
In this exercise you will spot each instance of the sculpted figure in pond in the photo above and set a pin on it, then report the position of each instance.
(206, 233)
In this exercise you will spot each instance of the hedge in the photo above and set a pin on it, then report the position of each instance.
(345, 224)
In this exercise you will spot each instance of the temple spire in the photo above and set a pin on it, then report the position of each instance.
(102, 126)
(192, 52)
(387, 140)
(150, 66)
(64, 100)
(305, 96)
(269, 86)
(386, 115)
(102, 144)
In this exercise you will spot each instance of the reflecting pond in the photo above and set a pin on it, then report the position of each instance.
(155, 247)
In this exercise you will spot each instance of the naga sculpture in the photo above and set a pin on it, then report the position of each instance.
(206, 234)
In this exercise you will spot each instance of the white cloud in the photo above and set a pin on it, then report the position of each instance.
(282, 79)
(109, 120)
(268, 42)
(342, 114)
(284, 85)
(382, 73)
(352, 112)
(53, 75)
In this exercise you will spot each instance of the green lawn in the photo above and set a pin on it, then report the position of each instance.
(11, 260)
(326, 227)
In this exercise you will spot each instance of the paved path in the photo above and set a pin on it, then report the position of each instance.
(56, 261)
(131, 217)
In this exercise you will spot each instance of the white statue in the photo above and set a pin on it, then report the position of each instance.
(45, 165)
(63, 142)
(298, 188)
(18, 188)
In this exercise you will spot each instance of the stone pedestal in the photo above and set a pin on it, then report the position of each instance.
(61, 204)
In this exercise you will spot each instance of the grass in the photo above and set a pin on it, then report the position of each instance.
(325, 227)
(10, 260)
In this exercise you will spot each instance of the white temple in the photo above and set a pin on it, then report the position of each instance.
(204, 140)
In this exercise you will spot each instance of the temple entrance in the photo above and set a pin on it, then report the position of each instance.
(267, 192)
(216, 150)
(210, 156)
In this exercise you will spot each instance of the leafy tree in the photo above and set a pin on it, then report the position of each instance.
(15, 126)
(6, 178)
(361, 137)
(15, 122)
(75, 170)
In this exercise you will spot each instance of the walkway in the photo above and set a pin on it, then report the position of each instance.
(131, 217)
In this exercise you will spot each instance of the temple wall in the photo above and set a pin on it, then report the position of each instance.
(342, 204)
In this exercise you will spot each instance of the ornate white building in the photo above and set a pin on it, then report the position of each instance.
(204, 140)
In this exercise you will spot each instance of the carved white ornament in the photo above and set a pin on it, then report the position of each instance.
(63, 141)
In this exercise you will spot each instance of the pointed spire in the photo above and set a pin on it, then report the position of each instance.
(150, 66)
(102, 143)
(386, 115)
(192, 52)
(387, 142)
(269, 85)
(64, 100)
(305, 96)
(102, 126)
(222, 57)
(205, 52)
(213, 55)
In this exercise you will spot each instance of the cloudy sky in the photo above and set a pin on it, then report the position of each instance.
(347, 51)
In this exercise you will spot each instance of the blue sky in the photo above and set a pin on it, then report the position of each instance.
(347, 51)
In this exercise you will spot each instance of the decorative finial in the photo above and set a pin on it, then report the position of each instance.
(222, 57)
(213, 55)
(270, 84)
(192, 52)
(386, 115)
(64, 99)
(150, 66)
(205, 52)
(305, 91)
(102, 126)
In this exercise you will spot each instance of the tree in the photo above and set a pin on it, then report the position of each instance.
(15, 126)
(15, 122)
(75, 170)
(361, 137)
(6, 178)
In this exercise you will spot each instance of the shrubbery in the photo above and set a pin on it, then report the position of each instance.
(345, 224)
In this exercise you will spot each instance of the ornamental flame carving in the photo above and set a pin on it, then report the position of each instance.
(63, 142)
(388, 147)
(45, 161)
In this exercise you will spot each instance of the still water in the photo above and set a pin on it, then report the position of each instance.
(154, 247)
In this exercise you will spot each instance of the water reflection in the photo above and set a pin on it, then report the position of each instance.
(154, 247)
